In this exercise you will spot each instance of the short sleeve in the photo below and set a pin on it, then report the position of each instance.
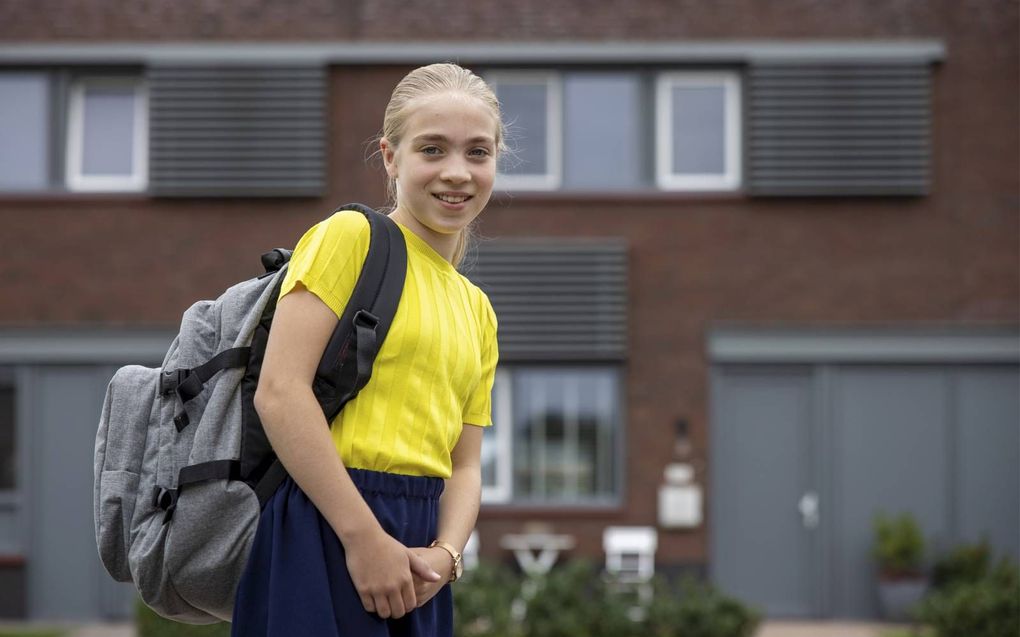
(478, 410)
(328, 259)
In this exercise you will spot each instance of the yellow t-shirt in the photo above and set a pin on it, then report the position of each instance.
(436, 367)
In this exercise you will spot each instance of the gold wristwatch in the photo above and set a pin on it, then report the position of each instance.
(458, 565)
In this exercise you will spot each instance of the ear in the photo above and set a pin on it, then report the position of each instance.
(389, 153)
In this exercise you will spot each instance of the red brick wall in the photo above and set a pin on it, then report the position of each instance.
(473, 20)
(950, 258)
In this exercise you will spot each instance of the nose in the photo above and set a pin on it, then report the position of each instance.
(455, 170)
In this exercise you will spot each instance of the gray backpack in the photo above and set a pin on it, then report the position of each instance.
(183, 467)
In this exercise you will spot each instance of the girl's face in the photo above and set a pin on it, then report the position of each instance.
(445, 164)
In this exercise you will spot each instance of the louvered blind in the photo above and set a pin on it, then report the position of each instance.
(556, 300)
(831, 129)
(237, 131)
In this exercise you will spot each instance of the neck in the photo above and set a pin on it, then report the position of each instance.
(444, 244)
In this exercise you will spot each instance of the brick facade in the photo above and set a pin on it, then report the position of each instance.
(950, 258)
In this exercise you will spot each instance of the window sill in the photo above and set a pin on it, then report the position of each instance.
(62, 196)
(509, 511)
(623, 196)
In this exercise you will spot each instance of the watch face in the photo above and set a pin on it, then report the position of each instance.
(458, 569)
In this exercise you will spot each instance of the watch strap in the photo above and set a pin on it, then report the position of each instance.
(454, 553)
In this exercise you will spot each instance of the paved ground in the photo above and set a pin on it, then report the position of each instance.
(105, 630)
(823, 629)
(768, 629)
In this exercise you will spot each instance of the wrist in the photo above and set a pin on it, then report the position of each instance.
(352, 533)
(443, 563)
(455, 559)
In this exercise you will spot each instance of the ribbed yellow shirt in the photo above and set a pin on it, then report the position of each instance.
(436, 367)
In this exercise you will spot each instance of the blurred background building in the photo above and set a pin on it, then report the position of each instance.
(755, 263)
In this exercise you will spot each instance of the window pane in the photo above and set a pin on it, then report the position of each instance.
(108, 130)
(566, 427)
(8, 467)
(24, 125)
(524, 113)
(699, 129)
(490, 446)
(602, 130)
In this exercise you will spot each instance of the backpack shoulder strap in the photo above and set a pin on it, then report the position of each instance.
(346, 364)
(367, 317)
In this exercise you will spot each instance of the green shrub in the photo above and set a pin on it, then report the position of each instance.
(574, 600)
(899, 544)
(697, 609)
(482, 600)
(966, 563)
(987, 607)
(150, 624)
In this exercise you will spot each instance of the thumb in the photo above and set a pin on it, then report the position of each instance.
(422, 569)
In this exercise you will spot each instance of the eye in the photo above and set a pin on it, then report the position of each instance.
(481, 152)
(428, 150)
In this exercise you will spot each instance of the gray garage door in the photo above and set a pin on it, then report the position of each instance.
(803, 455)
(59, 380)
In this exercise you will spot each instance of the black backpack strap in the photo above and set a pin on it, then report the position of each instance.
(188, 383)
(270, 482)
(166, 499)
(346, 364)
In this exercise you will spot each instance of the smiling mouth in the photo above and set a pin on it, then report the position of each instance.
(453, 200)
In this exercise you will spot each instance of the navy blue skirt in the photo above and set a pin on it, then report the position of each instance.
(296, 583)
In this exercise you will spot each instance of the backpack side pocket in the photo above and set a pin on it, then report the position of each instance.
(120, 449)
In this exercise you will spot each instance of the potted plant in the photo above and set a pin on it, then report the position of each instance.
(899, 551)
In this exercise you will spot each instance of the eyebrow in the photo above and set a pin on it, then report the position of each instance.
(434, 137)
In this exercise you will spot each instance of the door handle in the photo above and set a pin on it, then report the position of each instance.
(808, 506)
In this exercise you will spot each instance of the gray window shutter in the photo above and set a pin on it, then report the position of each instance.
(562, 300)
(237, 131)
(837, 129)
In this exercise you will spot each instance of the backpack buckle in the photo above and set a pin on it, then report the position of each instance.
(171, 380)
(165, 499)
(366, 318)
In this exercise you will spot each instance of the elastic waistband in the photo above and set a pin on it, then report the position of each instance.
(396, 483)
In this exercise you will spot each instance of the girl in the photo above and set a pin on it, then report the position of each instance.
(357, 542)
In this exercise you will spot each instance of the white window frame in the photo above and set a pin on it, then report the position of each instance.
(503, 421)
(502, 492)
(666, 179)
(139, 177)
(553, 176)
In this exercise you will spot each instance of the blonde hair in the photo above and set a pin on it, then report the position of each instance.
(430, 80)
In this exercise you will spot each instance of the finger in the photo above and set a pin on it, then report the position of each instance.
(421, 568)
(382, 606)
(410, 596)
(367, 602)
(397, 608)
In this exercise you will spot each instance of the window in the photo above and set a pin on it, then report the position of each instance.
(107, 135)
(602, 131)
(556, 437)
(698, 125)
(24, 129)
(496, 459)
(58, 132)
(531, 111)
(620, 130)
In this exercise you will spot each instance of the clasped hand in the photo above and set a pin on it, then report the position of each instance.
(392, 579)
